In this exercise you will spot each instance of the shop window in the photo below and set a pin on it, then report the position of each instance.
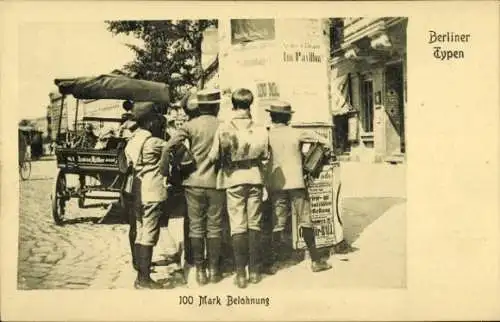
(367, 105)
(249, 30)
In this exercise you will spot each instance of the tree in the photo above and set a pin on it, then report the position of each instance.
(171, 52)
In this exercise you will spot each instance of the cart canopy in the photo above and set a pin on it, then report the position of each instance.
(114, 87)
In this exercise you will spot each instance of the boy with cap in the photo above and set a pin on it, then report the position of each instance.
(241, 147)
(143, 150)
(204, 201)
(285, 183)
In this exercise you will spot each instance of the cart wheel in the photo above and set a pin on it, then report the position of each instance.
(81, 198)
(59, 198)
(25, 170)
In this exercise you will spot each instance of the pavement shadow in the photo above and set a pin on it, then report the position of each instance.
(81, 220)
(359, 213)
(115, 219)
(175, 278)
(114, 214)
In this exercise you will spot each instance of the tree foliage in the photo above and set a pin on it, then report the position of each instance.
(171, 51)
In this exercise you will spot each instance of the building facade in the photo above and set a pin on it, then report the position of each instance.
(54, 116)
(40, 124)
(368, 73)
(103, 108)
(75, 110)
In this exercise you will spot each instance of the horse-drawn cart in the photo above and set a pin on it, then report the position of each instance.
(99, 169)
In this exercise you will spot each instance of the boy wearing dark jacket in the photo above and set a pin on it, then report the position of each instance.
(204, 201)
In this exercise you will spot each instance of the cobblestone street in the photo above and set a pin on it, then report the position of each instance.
(83, 254)
(79, 254)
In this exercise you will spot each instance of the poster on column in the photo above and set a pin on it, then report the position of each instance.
(304, 67)
(249, 60)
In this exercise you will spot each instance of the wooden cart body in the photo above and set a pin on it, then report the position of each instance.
(97, 170)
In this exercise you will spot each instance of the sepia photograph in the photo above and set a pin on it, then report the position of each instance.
(290, 161)
(213, 153)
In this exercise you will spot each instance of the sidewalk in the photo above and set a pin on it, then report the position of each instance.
(374, 218)
(373, 180)
(378, 262)
(379, 259)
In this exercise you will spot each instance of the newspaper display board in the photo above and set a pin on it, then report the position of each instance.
(324, 194)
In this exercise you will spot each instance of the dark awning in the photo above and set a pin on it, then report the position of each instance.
(114, 87)
(340, 95)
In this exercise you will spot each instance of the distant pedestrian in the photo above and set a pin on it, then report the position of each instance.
(204, 201)
(240, 148)
(36, 145)
(143, 150)
(286, 186)
(22, 147)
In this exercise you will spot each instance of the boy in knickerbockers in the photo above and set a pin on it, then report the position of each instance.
(286, 187)
(143, 150)
(204, 201)
(240, 148)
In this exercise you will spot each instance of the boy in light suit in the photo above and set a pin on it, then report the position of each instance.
(286, 186)
(240, 147)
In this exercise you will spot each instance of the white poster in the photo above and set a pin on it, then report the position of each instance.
(304, 65)
(290, 63)
(249, 59)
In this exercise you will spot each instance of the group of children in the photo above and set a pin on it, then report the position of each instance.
(234, 166)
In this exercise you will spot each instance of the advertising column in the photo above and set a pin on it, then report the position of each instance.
(286, 59)
(305, 83)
